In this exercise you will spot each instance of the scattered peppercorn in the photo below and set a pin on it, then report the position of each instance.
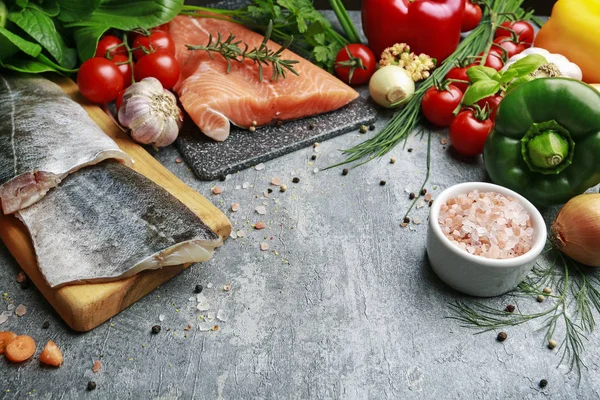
(502, 336)
(410, 150)
(313, 157)
(382, 183)
(91, 385)
(345, 171)
(547, 290)
(423, 192)
(25, 285)
(198, 289)
(371, 127)
(406, 220)
(552, 344)
(393, 160)
(363, 129)
(222, 178)
(411, 196)
(543, 383)
(430, 203)
(311, 126)
(46, 325)
(156, 329)
(282, 188)
(269, 190)
(509, 308)
(540, 298)
(296, 180)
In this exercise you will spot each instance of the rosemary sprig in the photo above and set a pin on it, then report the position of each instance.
(574, 307)
(406, 120)
(231, 50)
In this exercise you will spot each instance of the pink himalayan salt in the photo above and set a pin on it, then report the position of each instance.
(487, 224)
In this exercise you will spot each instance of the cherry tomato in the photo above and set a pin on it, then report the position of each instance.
(156, 40)
(124, 66)
(438, 105)
(471, 17)
(359, 55)
(468, 134)
(492, 103)
(460, 73)
(110, 45)
(511, 47)
(119, 99)
(161, 65)
(495, 59)
(99, 80)
(523, 29)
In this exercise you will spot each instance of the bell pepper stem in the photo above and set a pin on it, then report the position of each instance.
(547, 148)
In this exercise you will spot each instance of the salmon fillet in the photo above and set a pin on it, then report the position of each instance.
(213, 98)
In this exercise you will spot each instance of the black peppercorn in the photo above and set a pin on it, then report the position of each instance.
(409, 150)
(430, 203)
(543, 383)
(156, 329)
(311, 126)
(371, 127)
(313, 157)
(411, 195)
(423, 192)
(46, 325)
(509, 308)
(345, 171)
(502, 336)
(222, 178)
(406, 220)
(198, 288)
(25, 285)
(296, 180)
(382, 183)
(269, 190)
(91, 385)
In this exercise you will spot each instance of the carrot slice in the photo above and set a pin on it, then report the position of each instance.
(51, 355)
(20, 348)
(5, 337)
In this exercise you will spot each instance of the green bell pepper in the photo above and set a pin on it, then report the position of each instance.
(546, 141)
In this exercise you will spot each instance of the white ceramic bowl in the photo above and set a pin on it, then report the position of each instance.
(477, 275)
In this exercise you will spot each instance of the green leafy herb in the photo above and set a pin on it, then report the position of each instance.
(573, 307)
(347, 25)
(313, 34)
(230, 50)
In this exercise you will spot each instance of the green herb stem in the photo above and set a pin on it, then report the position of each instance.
(426, 177)
(345, 21)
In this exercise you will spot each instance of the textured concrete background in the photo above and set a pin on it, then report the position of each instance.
(347, 307)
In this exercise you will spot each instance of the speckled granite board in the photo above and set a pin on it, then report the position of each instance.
(211, 160)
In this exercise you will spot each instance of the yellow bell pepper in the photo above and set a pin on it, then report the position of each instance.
(573, 30)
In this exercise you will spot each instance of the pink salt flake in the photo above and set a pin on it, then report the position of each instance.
(21, 310)
(487, 224)
(264, 246)
(235, 207)
(217, 190)
(276, 182)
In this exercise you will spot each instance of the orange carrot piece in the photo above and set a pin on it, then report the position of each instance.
(5, 337)
(19, 349)
(51, 355)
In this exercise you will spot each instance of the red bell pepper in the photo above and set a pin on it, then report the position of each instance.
(427, 26)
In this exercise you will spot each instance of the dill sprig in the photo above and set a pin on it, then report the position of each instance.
(573, 307)
(406, 120)
(231, 50)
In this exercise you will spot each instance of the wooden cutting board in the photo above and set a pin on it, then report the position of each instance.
(83, 307)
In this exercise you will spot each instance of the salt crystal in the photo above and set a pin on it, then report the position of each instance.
(241, 234)
(262, 210)
(316, 170)
(192, 298)
(264, 246)
(3, 319)
(205, 326)
(222, 316)
(21, 277)
(203, 305)
(161, 317)
(21, 310)
(210, 285)
(416, 220)
(10, 307)
(233, 235)
(420, 203)
(259, 167)
(211, 315)
(275, 181)
(217, 190)
(235, 207)
(245, 185)
(238, 187)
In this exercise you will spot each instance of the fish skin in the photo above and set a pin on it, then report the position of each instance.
(107, 222)
(44, 136)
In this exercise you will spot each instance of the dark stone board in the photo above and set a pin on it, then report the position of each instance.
(210, 159)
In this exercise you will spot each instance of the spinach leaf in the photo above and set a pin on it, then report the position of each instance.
(48, 7)
(86, 39)
(10, 44)
(129, 14)
(76, 10)
(41, 27)
(34, 65)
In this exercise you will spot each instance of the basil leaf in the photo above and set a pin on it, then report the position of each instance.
(48, 7)
(480, 90)
(519, 81)
(86, 40)
(479, 73)
(76, 10)
(11, 44)
(129, 14)
(41, 27)
(527, 64)
(508, 76)
(34, 65)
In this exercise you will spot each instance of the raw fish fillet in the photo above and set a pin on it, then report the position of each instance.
(107, 222)
(44, 136)
(213, 98)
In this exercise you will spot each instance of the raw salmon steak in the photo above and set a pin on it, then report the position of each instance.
(214, 98)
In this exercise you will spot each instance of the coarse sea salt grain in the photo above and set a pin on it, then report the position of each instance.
(487, 224)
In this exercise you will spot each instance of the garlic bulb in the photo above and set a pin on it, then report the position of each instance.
(151, 113)
(558, 65)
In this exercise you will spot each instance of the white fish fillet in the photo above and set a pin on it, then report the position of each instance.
(44, 136)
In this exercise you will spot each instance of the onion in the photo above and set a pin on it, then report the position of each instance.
(391, 86)
(576, 229)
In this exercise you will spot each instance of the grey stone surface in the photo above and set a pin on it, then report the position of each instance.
(348, 307)
(210, 159)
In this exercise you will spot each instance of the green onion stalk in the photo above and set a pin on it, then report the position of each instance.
(405, 121)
